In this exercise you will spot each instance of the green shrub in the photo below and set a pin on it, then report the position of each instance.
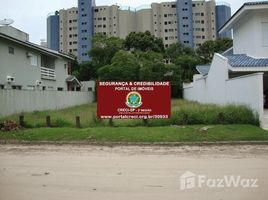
(59, 122)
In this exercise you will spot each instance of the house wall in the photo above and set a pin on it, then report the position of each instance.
(18, 65)
(246, 90)
(18, 101)
(217, 88)
(248, 35)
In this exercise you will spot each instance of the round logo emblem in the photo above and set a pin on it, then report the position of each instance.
(133, 100)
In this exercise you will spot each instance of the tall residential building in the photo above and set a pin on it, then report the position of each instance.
(204, 22)
(185, 22)
(85, 28)
(223, 14)
(53, 31)
(191, 23)
(69, 31)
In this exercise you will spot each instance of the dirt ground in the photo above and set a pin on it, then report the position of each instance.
(128, 172)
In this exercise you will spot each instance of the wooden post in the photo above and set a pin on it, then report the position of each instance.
(77, 122)
(145, 122)
(21, 120)
(48, 121)
(111, 122)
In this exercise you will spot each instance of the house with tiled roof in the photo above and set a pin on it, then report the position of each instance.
(239, 75)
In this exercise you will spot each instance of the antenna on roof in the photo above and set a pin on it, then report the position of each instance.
(6, 22)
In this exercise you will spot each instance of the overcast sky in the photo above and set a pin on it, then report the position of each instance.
(30, 15)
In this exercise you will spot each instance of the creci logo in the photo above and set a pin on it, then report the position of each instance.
(133, 100)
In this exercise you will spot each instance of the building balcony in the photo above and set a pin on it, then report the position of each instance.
(48, 73)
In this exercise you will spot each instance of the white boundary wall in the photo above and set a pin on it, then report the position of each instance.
(18, 101)
(217, 88)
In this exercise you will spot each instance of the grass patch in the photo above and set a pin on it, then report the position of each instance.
(142, 134)
(183, 113)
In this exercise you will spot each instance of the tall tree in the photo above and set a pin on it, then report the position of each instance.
(187, 66)
(124, 67)
(176, 50)
(206, 51)
(104, 48)
(144, 42)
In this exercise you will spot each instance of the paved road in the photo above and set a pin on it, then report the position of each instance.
(128, 173)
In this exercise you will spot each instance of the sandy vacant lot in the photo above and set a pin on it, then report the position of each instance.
(127, 173)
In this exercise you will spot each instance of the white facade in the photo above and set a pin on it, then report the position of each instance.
(250, 31)
(24, 65)
(238, 76)
(218, 88)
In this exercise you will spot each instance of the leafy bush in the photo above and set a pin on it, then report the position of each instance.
(59, 122)
(212, 114)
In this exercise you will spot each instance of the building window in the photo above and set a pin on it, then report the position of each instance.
(264, 27)
(11, 50)
(33, 59)
(104, 18)
(89, 89)
(173, 6)
(2, 87)
(16, 87)
(60, 89)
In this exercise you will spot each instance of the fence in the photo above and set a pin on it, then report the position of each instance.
(18, 101)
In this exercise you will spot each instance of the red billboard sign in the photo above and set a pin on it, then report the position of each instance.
(133, 100)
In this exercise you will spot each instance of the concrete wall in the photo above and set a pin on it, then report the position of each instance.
(217, 88)
(127, 23)
(15, 33)
(247, 90)
(248, 35)
(18, 101)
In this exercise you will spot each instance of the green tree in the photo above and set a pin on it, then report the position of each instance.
(86, 72)
(124, 67)
(173, 74)
(206, 50)
(176, 50)
(187, 65)
(104, 48)
(144, 42)
(152, 67)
